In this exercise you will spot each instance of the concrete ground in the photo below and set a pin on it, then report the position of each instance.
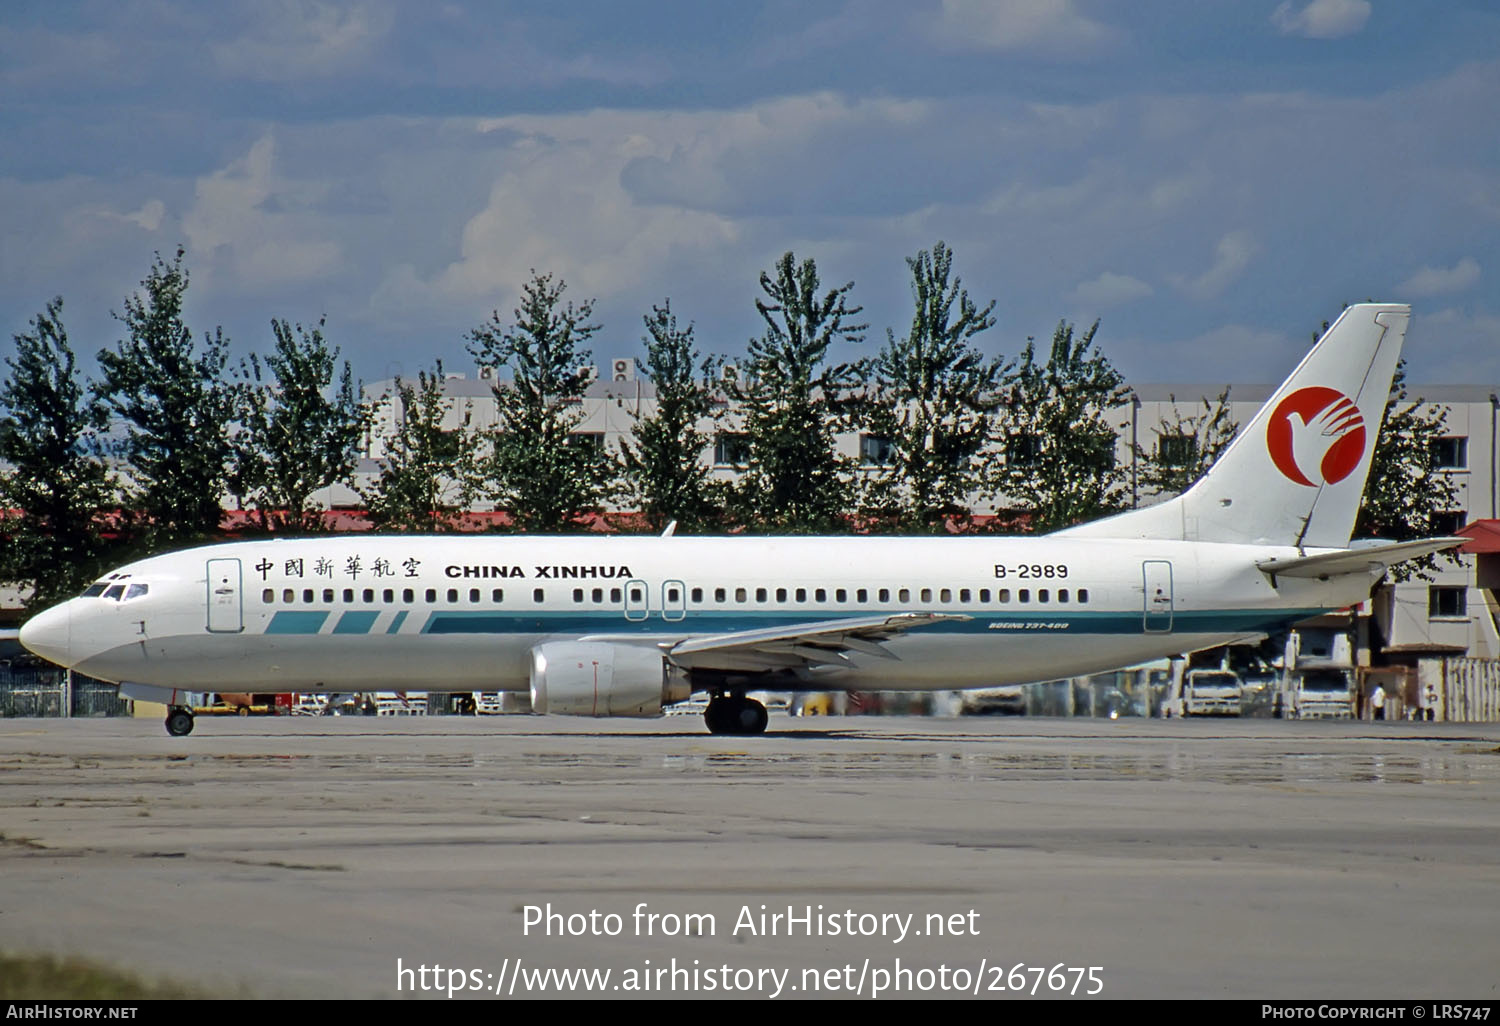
(305, 857)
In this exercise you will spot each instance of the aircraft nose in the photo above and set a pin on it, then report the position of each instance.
(49, 634)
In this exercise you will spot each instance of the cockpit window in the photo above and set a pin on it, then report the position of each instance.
(114, 591)
(94, 590)
(136, 591)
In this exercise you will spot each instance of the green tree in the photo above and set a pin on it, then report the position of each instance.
(428, 472)
(175, 405)
(56, 481)
(664, 469)
(1187, 444)
(931, 402)
(300, 432)
(546, 475)
(1406, 491)
(1060, 462)
(794, 402)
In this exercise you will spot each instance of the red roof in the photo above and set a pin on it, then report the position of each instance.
(1485, 535)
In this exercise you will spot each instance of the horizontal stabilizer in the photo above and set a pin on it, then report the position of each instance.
(1368, 559)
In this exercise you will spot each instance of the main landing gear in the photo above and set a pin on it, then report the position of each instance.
(179, 721)
(735, 714)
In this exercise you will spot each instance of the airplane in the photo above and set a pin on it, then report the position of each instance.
(621, 625)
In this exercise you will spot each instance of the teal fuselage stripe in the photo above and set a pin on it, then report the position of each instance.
(354, 622)
(287, 622)
(717, 621)
(1049, 621)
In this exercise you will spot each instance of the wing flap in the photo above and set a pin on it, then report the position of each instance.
(822, 643)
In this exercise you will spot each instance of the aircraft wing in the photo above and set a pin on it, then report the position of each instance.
(803, 645)
(1371, 558)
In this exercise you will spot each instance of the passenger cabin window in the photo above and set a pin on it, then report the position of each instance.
(801, 594)
(474, 595)
(861, 596)
(1062, 594)
(538, 595)
(388, 595)
(1083, 594)
(1041, 595)
(431, 594)
(328, 595)
(697, 595)
(1003, 595)
(904, 595)
(307, 595)
(408, 596)
(780, 594)
(369, 595)
(984, 595)
(452, 594)
(720, 595)
(839, 595)
(963, 594)
(348, 594)
(1025, 595)
(577, 594)
(289, 595)
(267, 596)
(760, 594)
(598, 595)
(497, 595)
(885, 594)
(740, 595)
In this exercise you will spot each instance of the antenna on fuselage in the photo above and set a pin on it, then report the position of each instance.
(671, 530)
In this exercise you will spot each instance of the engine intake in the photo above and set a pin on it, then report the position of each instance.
(580, 678)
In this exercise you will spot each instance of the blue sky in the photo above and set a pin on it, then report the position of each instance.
(1212, 180)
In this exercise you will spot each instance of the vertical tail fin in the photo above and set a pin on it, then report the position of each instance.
(1296, 473)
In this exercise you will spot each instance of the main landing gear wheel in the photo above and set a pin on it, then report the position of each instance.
(735, 714)
(179, 721)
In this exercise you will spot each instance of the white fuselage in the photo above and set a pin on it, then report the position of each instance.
(462, 613)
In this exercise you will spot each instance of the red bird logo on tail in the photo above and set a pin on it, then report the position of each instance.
(1316, 436)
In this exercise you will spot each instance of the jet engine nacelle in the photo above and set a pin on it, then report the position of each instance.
(580, 678)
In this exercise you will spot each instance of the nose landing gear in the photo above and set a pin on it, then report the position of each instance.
(735, 714)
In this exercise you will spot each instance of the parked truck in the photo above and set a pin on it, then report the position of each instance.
(1320, 693)
(1210, 693)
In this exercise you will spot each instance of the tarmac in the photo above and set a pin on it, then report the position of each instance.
(869, 856)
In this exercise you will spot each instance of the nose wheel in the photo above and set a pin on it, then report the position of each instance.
(735, 714)
(179, 721)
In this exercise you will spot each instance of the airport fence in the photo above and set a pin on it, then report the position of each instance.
(42, 690)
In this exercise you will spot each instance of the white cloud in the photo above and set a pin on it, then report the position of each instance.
(559, 206)
(305, 38)
(1433, 281)
(148, 217)
(255, 226)
(1322, 19)
(1047, 26)
(1110, 289)
(1231, 256)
